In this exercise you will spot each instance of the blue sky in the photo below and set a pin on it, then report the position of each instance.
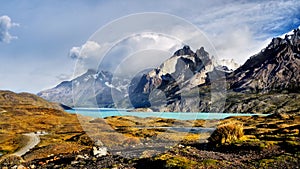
(36, 36)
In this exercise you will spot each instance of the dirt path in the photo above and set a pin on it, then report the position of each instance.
(34, 139)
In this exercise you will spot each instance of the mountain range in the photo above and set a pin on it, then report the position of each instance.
(84, 89)
(193, 81)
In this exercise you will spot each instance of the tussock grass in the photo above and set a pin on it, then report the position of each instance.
(226, 133)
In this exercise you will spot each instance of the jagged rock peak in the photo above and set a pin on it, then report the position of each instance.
(203, 55)
(184, 51)
(289, 39)
(200, 53)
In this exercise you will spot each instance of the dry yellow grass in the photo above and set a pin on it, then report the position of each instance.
(24, 113)
(227, 133)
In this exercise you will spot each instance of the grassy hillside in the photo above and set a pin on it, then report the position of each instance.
(24, 113)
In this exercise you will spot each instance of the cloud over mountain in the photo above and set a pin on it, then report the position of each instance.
(91, 55)
(239, 29)
(87, 55)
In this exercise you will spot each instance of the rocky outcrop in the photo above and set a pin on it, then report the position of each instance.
(166, 84)
(275, 68)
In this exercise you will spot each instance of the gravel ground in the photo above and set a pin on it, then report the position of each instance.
(224, 157)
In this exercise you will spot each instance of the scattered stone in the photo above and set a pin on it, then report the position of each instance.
(100, 151)
(181, 146)
(21, 167)
(80, 157)
(74, 162)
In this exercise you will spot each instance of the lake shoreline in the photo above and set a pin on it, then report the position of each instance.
(108, 112)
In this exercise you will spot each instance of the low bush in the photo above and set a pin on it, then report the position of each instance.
(226, 133)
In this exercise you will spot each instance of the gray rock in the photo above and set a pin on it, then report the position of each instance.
(275, 68)
(100, 151)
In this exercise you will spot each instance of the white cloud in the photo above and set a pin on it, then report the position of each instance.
(140, 61)
(148, 41)
(260, 16)
(139, 52)
(239, 44)
(63, 76)
(74, 52)
(5, 25)
(240, 29)
(92, 55)
(89, 49)
(237, 29)
(88, 56)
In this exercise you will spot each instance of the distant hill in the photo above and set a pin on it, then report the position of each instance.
(25, 113)
(11, 100)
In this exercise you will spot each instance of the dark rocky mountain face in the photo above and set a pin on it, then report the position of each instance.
(273, 72)
(275, 68)
(165, 85)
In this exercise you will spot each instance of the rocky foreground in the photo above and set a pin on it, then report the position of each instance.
(238, 142)
(181, 156)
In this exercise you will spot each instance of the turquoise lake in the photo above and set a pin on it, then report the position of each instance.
(106, 112)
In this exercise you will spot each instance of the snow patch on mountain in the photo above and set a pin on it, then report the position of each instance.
(229, 63)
